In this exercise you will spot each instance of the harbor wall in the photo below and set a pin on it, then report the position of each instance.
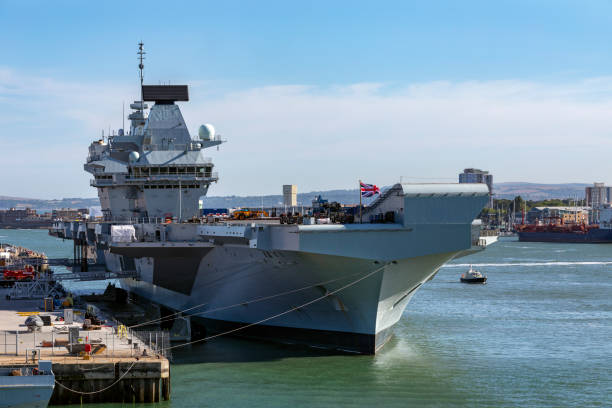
(111, 381)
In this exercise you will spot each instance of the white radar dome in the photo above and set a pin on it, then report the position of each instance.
(206, 132)
(134, 156)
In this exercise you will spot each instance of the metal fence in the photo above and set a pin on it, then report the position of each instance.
(157, 341)
(109, 342)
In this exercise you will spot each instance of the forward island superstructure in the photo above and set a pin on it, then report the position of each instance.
(156, 170)
(339, 286)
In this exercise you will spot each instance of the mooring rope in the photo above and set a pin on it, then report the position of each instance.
(242, 327)
(280, 314)
(99, 391)
(246, 302)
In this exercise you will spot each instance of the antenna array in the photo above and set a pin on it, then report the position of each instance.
(141, 56)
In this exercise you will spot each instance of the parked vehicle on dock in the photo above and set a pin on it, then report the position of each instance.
(27, 273)
(246, 214)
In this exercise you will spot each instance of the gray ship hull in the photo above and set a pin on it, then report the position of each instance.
(238, 287)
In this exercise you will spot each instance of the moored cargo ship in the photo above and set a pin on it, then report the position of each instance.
(600, 233)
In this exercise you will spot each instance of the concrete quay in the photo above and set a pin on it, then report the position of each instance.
(122, 366)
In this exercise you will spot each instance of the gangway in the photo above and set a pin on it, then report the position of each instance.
(37, 289)
(93, 276)
(50, 261)
(21, 262)
(49, 285)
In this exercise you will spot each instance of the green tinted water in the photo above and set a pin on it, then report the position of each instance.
(539, 333)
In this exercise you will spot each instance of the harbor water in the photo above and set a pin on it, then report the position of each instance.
(538, 334)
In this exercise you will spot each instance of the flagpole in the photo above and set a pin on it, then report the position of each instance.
(360, 219)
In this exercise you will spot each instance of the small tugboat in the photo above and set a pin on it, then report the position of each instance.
(27, 387)
(473, 276)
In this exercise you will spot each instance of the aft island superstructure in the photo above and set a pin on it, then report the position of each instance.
(340, 286)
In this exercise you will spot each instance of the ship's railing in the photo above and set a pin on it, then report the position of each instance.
(145, 220)
(134, 220)
(202, 161)
(60, 226)
(183, 177)
(175, 146)
(100, 182)
(194, 176)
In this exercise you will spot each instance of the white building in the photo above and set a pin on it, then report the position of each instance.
(290, 195)
(597, 195)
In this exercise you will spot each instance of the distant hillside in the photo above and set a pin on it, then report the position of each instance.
(47, 205)
(529, 191)
(342, 196)
(536, 191)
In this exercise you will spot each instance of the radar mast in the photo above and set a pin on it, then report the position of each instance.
(141, 56)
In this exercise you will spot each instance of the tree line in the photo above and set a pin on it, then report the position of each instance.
(502, 207)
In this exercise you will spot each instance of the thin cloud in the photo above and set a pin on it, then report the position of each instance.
(326, 137)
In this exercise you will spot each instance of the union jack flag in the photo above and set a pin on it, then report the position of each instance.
(368, 190)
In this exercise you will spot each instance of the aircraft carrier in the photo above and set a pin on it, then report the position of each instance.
(339, 285)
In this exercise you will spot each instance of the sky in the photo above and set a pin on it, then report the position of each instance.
(316, 93)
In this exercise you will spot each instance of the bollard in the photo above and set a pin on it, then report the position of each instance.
(5, 342)
(16, 342)
(52, 342)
